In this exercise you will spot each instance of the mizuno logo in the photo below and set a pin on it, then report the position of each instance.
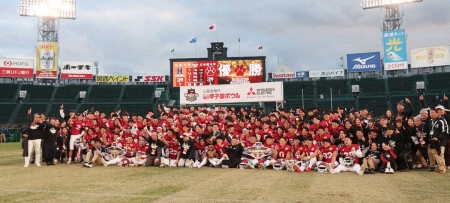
(363, 61)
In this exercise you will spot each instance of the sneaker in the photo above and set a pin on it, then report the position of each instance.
(38, 165)
(162, 165)
(47, 163)
(297, 168)
(69, 162)
(330, 169)
(387, 171)
(414, 166)
(25, 166)
(225, 166)
(441, 171)
(89, 165)
(391, 170)
(366, 171)
(225, 157)
(262, 166)
(250, 166)
(32, 162)
(419, 166)
(362, 170)
(372, 171)
(85, 165)
(308, 169)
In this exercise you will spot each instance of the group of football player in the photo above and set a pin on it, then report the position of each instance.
(247, 138)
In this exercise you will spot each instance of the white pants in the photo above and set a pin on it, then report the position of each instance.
(312, 163)
(114, 161)
(215, 161)
(183, 162)
(72, 141)
(36, 144)
(199, 164)
(168, 162)
(355, 168)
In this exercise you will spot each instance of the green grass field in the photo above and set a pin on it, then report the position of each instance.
(74, 183)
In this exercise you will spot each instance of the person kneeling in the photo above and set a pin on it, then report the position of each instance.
(388, 164)
(349, 158)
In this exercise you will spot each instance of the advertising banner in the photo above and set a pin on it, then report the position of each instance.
(301, 74)
(77, 69)
(149, 78)
(326, 73)
(239, 93)
(430, 56)
(363, 62)
(17, 68)
(284, 75)
(47, 60)
(395, 50)
(120, 78)
(212, 72)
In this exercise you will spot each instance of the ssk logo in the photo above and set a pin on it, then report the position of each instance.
(153, 78)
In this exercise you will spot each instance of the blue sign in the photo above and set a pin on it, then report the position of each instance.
(395, 57)
(363, 62)
(301, 74)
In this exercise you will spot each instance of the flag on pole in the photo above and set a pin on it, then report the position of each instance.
(213, 27)
(193, 40)
(261, 47)
(172, 50)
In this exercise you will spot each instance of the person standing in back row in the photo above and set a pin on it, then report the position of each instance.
(438, 135)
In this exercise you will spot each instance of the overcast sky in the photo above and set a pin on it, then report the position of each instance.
(135, 37)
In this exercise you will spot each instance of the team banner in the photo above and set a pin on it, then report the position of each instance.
(395, 50)
(200, 73)
(430, 56)
(47, 60)
(326, 73)
(363, 62)
(121, 78)
(149, 78)
(17, 68)
(240, 93)
(77, 69)
(284, 75)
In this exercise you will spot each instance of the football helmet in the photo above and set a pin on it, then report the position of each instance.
(243, 164)
(124, 162)
(277, 166)
(322, 167)
(78, 142)
(348, 160)
(304, 163)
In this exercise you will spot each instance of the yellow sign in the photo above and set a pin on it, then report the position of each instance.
(47, 59)
(108, 78)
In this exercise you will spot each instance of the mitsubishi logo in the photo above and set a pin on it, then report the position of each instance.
(251, 92)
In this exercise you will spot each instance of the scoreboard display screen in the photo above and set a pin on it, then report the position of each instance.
(216, 72)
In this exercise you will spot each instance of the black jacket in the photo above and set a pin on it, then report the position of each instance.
(438, 129)
(187, 150)
(51, 133)
(398, 142)
(235, 152)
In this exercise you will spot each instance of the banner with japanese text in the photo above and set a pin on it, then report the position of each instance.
(395, 57)
(47, 60)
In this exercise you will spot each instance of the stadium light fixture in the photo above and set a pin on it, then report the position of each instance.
(58, 9)
(368, 4)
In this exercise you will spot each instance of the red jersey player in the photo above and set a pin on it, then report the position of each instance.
(349, 154)
(328, 154)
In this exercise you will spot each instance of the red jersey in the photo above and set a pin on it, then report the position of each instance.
(173, 150)
(129, 149)
(309, 150)
(201, 150)
(142, 151)
(264, 134)
(328, 153)
(319, 139)
(77, 127)
(282, 151)
(220, 150)
(296, 151)
(346, 151)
